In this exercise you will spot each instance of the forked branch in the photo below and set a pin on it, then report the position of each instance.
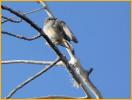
(11, 20)
(26, 13)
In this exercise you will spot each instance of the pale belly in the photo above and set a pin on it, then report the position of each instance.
(54, 36)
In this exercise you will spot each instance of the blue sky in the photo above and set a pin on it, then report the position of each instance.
(103, 31)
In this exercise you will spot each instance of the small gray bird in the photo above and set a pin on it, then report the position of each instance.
(58, 32)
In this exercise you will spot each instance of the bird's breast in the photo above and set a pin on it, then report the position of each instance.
(53, 33)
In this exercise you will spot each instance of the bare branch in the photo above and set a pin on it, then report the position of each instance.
(85, 83)
(68, 66)
(47, 10)
(75, 68)
(26, 13)
(31, 62)
(22, 37)
(11, 20)
(32, 78)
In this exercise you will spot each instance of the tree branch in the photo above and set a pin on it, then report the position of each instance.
(56, 50)
(22, 37)
(11, 20)
(32, 78)
(31, 62)
(83, 76)
(75, 68)
(47, 10)
(26, 13)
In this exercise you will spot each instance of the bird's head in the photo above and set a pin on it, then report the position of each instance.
(50, 19)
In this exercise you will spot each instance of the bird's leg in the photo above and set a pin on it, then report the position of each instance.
(68, 46)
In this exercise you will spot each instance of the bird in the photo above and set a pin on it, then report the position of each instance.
(59, 33)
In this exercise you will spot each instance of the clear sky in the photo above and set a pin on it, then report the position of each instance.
(103, 31)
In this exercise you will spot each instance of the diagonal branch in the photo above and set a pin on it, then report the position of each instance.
(36, 27)
(31, 62)
(11, 20)
(83, 76)
(32, 78)
(26, 13)
(64, 59)
(70, 69)
(22, 37)
(46, 8)
(75, 69)
(79, 74)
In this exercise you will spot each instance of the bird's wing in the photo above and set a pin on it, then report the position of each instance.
(67, 32)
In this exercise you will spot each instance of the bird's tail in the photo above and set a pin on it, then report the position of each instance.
(68, 46)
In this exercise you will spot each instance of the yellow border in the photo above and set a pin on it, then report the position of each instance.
(0, 56)
(77, 1)
(131, 49)
(66, 99)
(72, 0)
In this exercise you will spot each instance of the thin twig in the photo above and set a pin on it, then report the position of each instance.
(11, 20)
(32, 78)
(31, 62)
(22, 37)
(26, 13)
